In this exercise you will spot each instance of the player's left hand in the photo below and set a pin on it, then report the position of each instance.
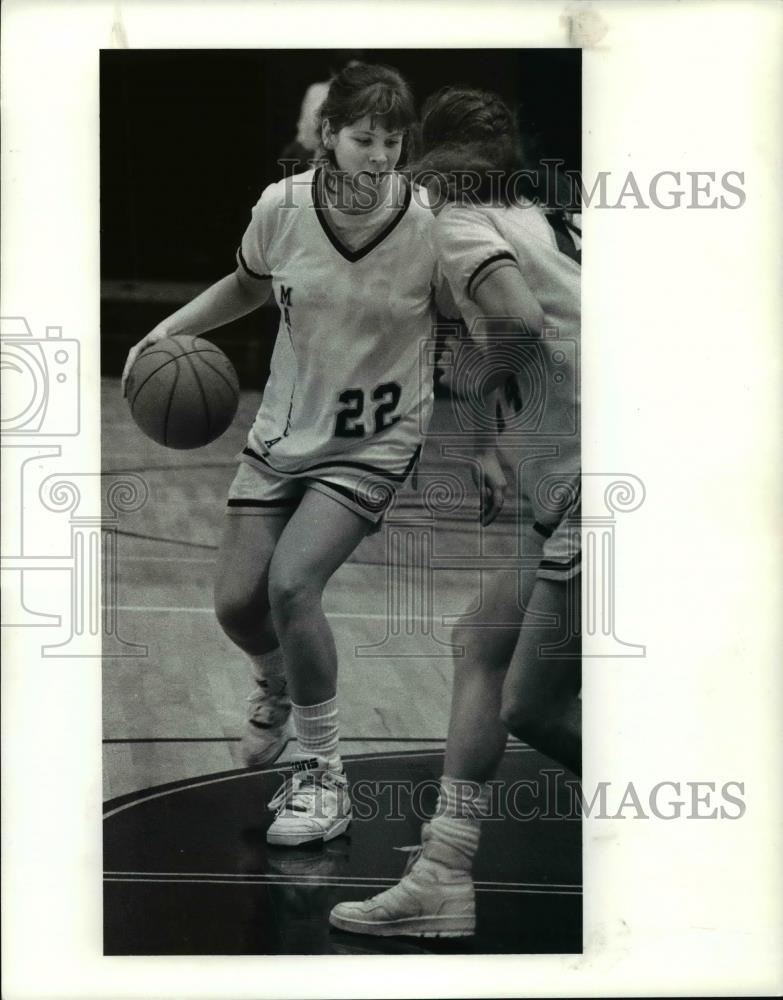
(492, 487)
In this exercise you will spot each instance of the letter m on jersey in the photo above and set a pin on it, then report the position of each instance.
(285, 305)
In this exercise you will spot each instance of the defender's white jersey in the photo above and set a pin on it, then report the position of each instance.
(540, 412)
(349, 384)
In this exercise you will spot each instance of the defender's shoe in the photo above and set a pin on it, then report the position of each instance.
(313, 804)
(265, 734)
(434, 898)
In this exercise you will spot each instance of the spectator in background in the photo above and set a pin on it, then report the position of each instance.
(296, 156)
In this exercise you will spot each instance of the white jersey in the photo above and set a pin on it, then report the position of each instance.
(348, 385)
(540, 412)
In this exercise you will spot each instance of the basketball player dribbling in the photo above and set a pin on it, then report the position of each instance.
(349, 256)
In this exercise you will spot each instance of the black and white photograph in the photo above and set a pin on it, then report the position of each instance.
(391, 407)
(340, 320)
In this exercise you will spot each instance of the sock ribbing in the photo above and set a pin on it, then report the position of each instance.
(457, 818)
(317, 730)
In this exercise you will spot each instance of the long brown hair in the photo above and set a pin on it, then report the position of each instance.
(361, 89)
(470, 140)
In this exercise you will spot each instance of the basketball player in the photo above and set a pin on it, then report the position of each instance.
(515, 278)
(349, 256)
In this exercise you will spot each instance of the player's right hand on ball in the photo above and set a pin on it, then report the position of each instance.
(152, 338)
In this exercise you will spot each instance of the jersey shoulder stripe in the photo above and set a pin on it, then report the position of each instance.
(249, 270)
(503, 255)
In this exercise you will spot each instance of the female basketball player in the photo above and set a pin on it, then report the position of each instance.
(516, 282)
(349, 256)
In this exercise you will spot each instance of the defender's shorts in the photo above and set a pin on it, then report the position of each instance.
(259, 490)
(561, 556)
(557, 544)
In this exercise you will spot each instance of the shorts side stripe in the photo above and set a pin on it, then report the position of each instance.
(236, 502)
(395, 477)
(355, 497)
(569, 564)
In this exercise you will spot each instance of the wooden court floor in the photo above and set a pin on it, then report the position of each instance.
(174, 699)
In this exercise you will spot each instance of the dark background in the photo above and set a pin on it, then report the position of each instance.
(190, 138)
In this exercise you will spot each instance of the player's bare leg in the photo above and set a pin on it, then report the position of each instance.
(317, 540)
(436, 896)
(242, 608)
(314, 803)
(477, 737)
(540, 702)
(242, 579)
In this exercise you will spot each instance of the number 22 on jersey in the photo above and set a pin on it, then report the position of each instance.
(351, 420)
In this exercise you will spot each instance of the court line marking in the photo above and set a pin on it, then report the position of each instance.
(168, 559)
(343, 885)
(207, 561)
(320, 879)
(273, 770)
(237, 739)
(211, 611)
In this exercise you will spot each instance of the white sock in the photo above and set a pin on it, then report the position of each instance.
(269, 670)
(457, 820)
(317, 731)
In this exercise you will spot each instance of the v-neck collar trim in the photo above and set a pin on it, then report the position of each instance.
(353, 255)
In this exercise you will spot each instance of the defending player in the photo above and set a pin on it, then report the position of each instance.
(515, 278)
(349, 256)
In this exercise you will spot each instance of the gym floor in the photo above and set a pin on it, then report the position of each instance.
(187, 868)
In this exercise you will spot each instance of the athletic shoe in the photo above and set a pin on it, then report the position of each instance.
(265, 734)
(313, 804)
(434, 898)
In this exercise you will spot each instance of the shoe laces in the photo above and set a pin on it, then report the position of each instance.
(268, 708)
(265, 714)
(297, 793)
(273, 686)
(399, 891)
(414, 851)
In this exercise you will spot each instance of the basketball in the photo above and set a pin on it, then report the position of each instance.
(183, 392)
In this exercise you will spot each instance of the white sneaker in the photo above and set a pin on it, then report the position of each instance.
(434, 898)
(265, 734)
(313, 804)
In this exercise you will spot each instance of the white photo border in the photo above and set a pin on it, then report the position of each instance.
(682, 374)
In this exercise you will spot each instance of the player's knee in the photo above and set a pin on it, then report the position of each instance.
(527, 720)
(292, 592)
(237, 616)
(477, 652)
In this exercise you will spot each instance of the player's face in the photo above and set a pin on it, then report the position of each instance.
(365, 148)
